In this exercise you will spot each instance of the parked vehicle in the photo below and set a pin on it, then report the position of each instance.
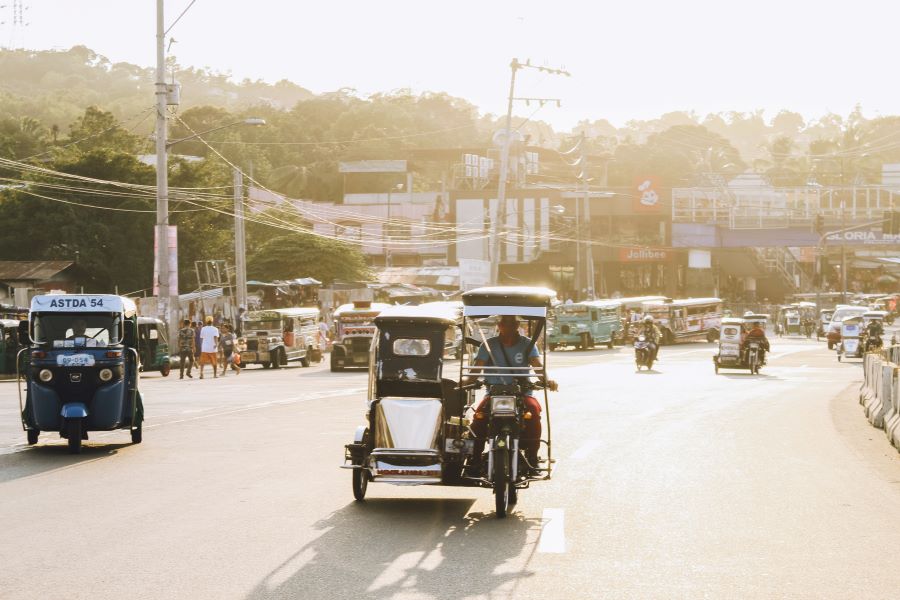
(850, 345)
(417, 430)
(354, 329)
(841, 312)
(276, 337)
(584, 324)
(687, 319)
(82, 375)
(9, 347)
(153, 346)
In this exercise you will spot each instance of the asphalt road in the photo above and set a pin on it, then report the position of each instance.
(674, 483)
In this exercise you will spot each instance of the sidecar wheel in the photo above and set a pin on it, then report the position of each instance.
(32, 436)
(360, 484)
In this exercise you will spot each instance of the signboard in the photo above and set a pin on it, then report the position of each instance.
(173, 261)
(699, 259)
(372, 166)
(646, 194)
(642, 255)
(474, 273)
(862, 237)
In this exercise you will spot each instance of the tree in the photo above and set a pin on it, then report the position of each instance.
(307, 255)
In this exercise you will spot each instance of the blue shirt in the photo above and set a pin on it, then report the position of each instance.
(496, 357)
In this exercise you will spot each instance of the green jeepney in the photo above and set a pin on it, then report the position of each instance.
(585, 324)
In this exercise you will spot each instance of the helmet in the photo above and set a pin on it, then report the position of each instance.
(648, 319)
(748, 313)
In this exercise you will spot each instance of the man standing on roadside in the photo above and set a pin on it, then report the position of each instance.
(209, 346)
(186, 348)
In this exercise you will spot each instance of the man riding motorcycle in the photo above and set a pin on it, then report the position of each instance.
(651, 333)
(874, 331)
(756, 334)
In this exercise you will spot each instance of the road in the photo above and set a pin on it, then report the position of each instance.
(675, 483)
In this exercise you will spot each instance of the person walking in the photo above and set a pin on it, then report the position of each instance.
(228, 343)
(186, 348)
(195, 325)
(209, 342)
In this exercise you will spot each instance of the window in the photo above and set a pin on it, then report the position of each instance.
(411, 347)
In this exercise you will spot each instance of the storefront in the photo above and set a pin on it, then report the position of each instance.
(637, 271)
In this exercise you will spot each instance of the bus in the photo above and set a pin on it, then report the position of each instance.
(686, 319)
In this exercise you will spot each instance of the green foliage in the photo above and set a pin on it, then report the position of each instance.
(307, 255)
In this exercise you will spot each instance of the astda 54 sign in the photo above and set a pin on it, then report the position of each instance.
(646, 195)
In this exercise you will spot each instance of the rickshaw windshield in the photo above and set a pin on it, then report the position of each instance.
(485, 330)
(69, 330)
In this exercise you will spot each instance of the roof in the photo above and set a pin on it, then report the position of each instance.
(687, 302)
(83, 303)
(509, 296)
(601, 303)
(430, 313)
(275, 313)
(30, 270)
(373, 307)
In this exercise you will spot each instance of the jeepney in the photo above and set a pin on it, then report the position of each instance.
(354, 328)
(686, 319)
(275, 337)
(584, 324)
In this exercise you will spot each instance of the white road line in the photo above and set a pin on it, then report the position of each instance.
(586, 449)
(553, 532)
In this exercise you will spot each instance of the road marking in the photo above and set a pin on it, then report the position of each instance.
(586, 449)
(553, 532)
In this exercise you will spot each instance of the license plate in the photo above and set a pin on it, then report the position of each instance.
(75, 360)
(248, 356)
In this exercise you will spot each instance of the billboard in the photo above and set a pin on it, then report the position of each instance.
(646, 195)
(862, 237)
(642, 255)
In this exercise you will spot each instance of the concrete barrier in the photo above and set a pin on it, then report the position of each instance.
(892, 417)
(884, 389)
(879, 393)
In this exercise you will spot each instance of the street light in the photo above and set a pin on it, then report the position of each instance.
(387, 248)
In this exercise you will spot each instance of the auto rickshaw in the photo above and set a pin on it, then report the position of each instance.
(153, 346)
(419, 418)
(850, 345)
(9, 347)
(730, 354)
(792, 323)
(82, 369)
(822, 323)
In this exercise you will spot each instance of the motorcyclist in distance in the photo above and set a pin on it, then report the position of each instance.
(651, 333)
(874, 331)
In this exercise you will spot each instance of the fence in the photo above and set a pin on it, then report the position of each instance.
(880, 392)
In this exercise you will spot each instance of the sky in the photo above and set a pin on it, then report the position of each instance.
(629, 59)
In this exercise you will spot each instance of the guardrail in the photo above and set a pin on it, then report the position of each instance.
(880, 392)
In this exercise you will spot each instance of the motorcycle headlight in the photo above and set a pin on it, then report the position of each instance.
(45, 375)
(105, 375)
(503, 405)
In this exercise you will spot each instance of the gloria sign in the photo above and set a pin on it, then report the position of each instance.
(642, 255)
(863, 237)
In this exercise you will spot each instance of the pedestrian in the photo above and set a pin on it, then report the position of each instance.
(186, 348)
(228, 344)
(209, 342)
(196, 326)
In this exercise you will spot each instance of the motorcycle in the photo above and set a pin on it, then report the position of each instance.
(643, 352)
(753, 357)
(873, 343)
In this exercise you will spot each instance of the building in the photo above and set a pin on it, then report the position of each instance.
(35, 277)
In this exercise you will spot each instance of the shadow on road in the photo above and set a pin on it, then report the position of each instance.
(383, 548)
(40, 459)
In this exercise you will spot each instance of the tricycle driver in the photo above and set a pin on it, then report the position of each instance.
(755, 333)
(508, 348)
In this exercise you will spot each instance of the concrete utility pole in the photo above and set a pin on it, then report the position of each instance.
(164, 308)
(500, 207)
(240, 252)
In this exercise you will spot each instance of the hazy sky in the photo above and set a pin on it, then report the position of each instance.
(629, 59)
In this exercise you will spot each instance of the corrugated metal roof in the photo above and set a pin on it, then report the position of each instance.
(28, 270)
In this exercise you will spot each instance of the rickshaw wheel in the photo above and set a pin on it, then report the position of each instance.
(360, 484)
(716, 365)
(839, 357)
(73, 434)
(32, 436)
(304, 362)
(611, 344)
(166, 369)
(137, 435)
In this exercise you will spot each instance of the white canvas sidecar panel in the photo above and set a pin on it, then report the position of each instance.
(410, 423)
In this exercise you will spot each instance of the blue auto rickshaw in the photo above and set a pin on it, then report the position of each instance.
(81, 372)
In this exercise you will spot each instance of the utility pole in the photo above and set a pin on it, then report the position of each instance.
(500, 207)
(164, 296)
(240, 251)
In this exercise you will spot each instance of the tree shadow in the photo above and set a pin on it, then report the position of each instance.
(42, 458)
(381, 548)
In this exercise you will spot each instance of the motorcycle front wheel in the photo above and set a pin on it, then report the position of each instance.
(501, 480)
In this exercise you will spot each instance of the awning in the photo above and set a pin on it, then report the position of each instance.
(202, 295)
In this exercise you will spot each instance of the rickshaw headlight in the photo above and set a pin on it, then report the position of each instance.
(105, 375)
(503, 405)
(45, 375)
